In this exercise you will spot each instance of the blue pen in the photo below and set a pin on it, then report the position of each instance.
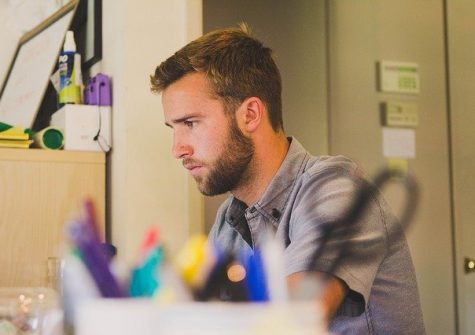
(256, 278)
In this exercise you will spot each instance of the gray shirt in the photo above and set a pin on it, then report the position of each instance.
(305, 194)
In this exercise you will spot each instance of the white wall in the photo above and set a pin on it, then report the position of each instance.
(147, 185)
(8, 40)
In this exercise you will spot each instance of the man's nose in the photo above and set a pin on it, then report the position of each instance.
(181, 149)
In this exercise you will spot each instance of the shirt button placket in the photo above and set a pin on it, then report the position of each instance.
(251, 221)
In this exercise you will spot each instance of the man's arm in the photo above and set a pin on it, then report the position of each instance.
(333, 294)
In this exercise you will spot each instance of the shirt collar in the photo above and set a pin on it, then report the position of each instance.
(273, 201)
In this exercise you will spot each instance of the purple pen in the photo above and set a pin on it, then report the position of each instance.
(85, 238)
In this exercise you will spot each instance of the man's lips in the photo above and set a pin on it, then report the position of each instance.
(192, 167)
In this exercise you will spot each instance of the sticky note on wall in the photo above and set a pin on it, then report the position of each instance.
(399, 143)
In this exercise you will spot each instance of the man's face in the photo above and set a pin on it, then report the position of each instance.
(210, 144)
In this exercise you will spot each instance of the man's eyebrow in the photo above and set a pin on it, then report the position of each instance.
(179, 120)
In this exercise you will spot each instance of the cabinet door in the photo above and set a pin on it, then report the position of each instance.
(461, 32)
(40, 191)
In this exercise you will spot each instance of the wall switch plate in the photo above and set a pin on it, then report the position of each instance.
(400, 114)
(398, 77)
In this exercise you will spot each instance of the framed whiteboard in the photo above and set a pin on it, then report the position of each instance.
(33, 63)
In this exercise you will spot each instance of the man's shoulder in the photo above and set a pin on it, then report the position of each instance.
(335, 165)
(300, 163)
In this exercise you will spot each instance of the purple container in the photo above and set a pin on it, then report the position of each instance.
(98, 91)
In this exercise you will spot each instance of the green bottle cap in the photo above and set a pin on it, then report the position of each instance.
(53, 139)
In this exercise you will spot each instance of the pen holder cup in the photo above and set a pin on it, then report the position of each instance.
(146, 317)
(30, 311)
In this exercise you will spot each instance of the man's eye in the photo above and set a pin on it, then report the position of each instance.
(189, 124)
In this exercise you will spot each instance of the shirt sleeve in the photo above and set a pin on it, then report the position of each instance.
(323, 198)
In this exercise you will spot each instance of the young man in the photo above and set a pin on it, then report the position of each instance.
(221, 95)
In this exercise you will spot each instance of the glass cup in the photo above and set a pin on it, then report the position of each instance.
(30, 311)
(55, 267)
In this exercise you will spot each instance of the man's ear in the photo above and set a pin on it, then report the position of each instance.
(251, 114)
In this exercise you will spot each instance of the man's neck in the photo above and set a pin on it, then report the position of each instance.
(269, 154)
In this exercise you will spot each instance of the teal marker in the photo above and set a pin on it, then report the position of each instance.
(144, 279)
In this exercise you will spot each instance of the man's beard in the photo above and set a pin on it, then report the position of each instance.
(231, 168)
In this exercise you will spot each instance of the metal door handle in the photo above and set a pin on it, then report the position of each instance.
(469, 265)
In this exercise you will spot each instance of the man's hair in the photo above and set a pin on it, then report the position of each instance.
(236, 65)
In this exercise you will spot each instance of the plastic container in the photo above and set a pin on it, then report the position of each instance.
(49, 138)
(70, 76)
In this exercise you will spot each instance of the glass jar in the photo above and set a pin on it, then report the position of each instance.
(30, 311)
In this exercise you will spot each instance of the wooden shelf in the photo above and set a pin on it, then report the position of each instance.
(39, 191)
(39, 155)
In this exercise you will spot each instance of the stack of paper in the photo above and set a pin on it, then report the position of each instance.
(14, 137)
